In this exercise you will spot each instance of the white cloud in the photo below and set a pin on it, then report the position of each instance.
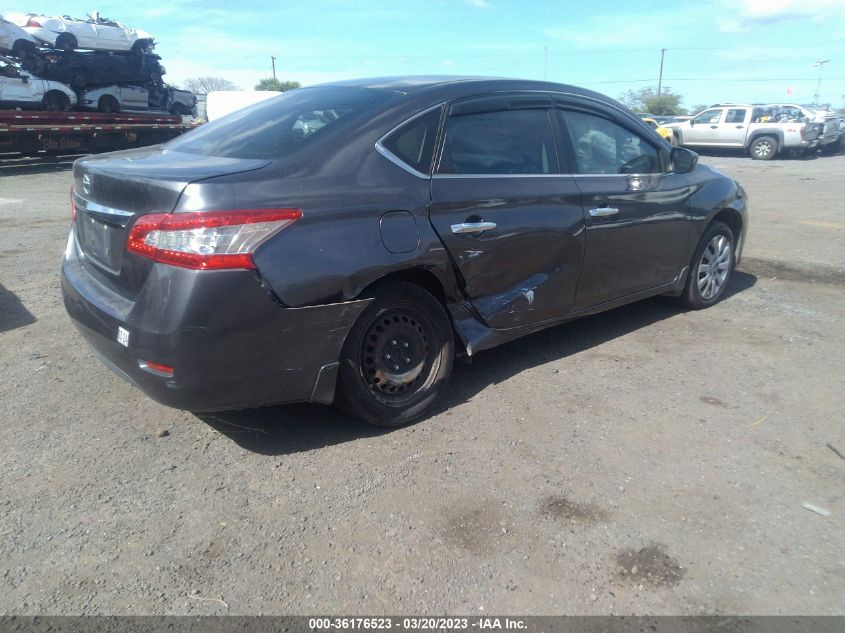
(758, 13)
(480, 4)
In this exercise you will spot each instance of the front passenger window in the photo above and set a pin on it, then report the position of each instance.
(708, 116)
(603, 147)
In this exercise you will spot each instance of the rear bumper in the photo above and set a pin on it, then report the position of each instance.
(229, 341)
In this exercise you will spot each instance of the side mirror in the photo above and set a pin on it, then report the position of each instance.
(691, 122)
(25, 79)
(683, 160)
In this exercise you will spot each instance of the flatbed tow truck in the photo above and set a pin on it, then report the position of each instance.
(30, 132)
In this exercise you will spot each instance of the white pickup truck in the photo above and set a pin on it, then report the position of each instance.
(762, 130)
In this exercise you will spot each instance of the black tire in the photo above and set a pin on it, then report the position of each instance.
(108, 104)
(55, 101)
(407, 326)
(177, 109)
(763, 148)
(23, 50)
(694, 296)
(66, 42)
(80, 79)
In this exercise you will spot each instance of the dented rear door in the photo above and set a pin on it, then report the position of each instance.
(513, 226)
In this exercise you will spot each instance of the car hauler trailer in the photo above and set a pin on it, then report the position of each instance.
(28, 133)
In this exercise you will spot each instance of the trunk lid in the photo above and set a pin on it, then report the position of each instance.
(111, 191)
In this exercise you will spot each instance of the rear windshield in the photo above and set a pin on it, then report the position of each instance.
(281, 125)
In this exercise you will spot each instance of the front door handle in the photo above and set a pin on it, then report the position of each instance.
(473, 227)
(714, 127)
(602, 212)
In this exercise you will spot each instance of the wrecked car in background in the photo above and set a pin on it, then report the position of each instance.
(80, 69)
(15, 40)
(20, 89)
(94, 33)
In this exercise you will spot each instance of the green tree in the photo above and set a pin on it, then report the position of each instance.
(271, 83)
(647, 100)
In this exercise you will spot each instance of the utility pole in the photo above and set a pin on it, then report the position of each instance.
(820, 65)
(660, 80)
(273, 61)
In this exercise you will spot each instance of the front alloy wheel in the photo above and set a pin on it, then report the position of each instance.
(711, 267)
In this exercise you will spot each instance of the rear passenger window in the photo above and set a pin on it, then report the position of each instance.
(505, 142)
(735, 116)
(603, 147)
(413, 143)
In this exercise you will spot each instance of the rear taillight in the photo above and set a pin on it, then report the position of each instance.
(72, 206)
(207, 240)
(33, 22)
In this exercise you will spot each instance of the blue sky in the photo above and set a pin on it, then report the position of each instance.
(717, 50)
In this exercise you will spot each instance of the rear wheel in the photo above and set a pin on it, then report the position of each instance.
(764, 148)
(140, 47)
(397, 357)
(56, 101)
(66, 42)
(178, 109)
(23, 50)
(711, 267)
(108, 104)
(80, 79)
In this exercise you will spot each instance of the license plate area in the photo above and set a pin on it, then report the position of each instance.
(101, 242)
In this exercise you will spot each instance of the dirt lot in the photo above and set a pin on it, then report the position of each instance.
(647, 460)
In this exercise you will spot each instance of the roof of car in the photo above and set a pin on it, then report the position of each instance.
(447, 87)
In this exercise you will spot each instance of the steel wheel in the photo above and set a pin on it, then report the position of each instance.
(713, 267)
(395, 358)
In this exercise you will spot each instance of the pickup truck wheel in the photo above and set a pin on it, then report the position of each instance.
(397, 357)
(764, 148)
(108, 105)
(177, 109)
(55, 101)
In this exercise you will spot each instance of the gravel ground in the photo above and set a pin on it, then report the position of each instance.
(643, 461)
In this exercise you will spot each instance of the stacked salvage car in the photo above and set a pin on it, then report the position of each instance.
(59, 63)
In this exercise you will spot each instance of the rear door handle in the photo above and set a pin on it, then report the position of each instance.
(602, 212)
(473, 227)
(714, 127)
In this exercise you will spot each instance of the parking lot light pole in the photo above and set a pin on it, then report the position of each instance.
(273, 61)
(660, 79)
(820, 65)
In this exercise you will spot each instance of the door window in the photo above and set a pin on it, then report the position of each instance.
(504, 142)
(708, 116)
(735, 116)
(603, 147)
